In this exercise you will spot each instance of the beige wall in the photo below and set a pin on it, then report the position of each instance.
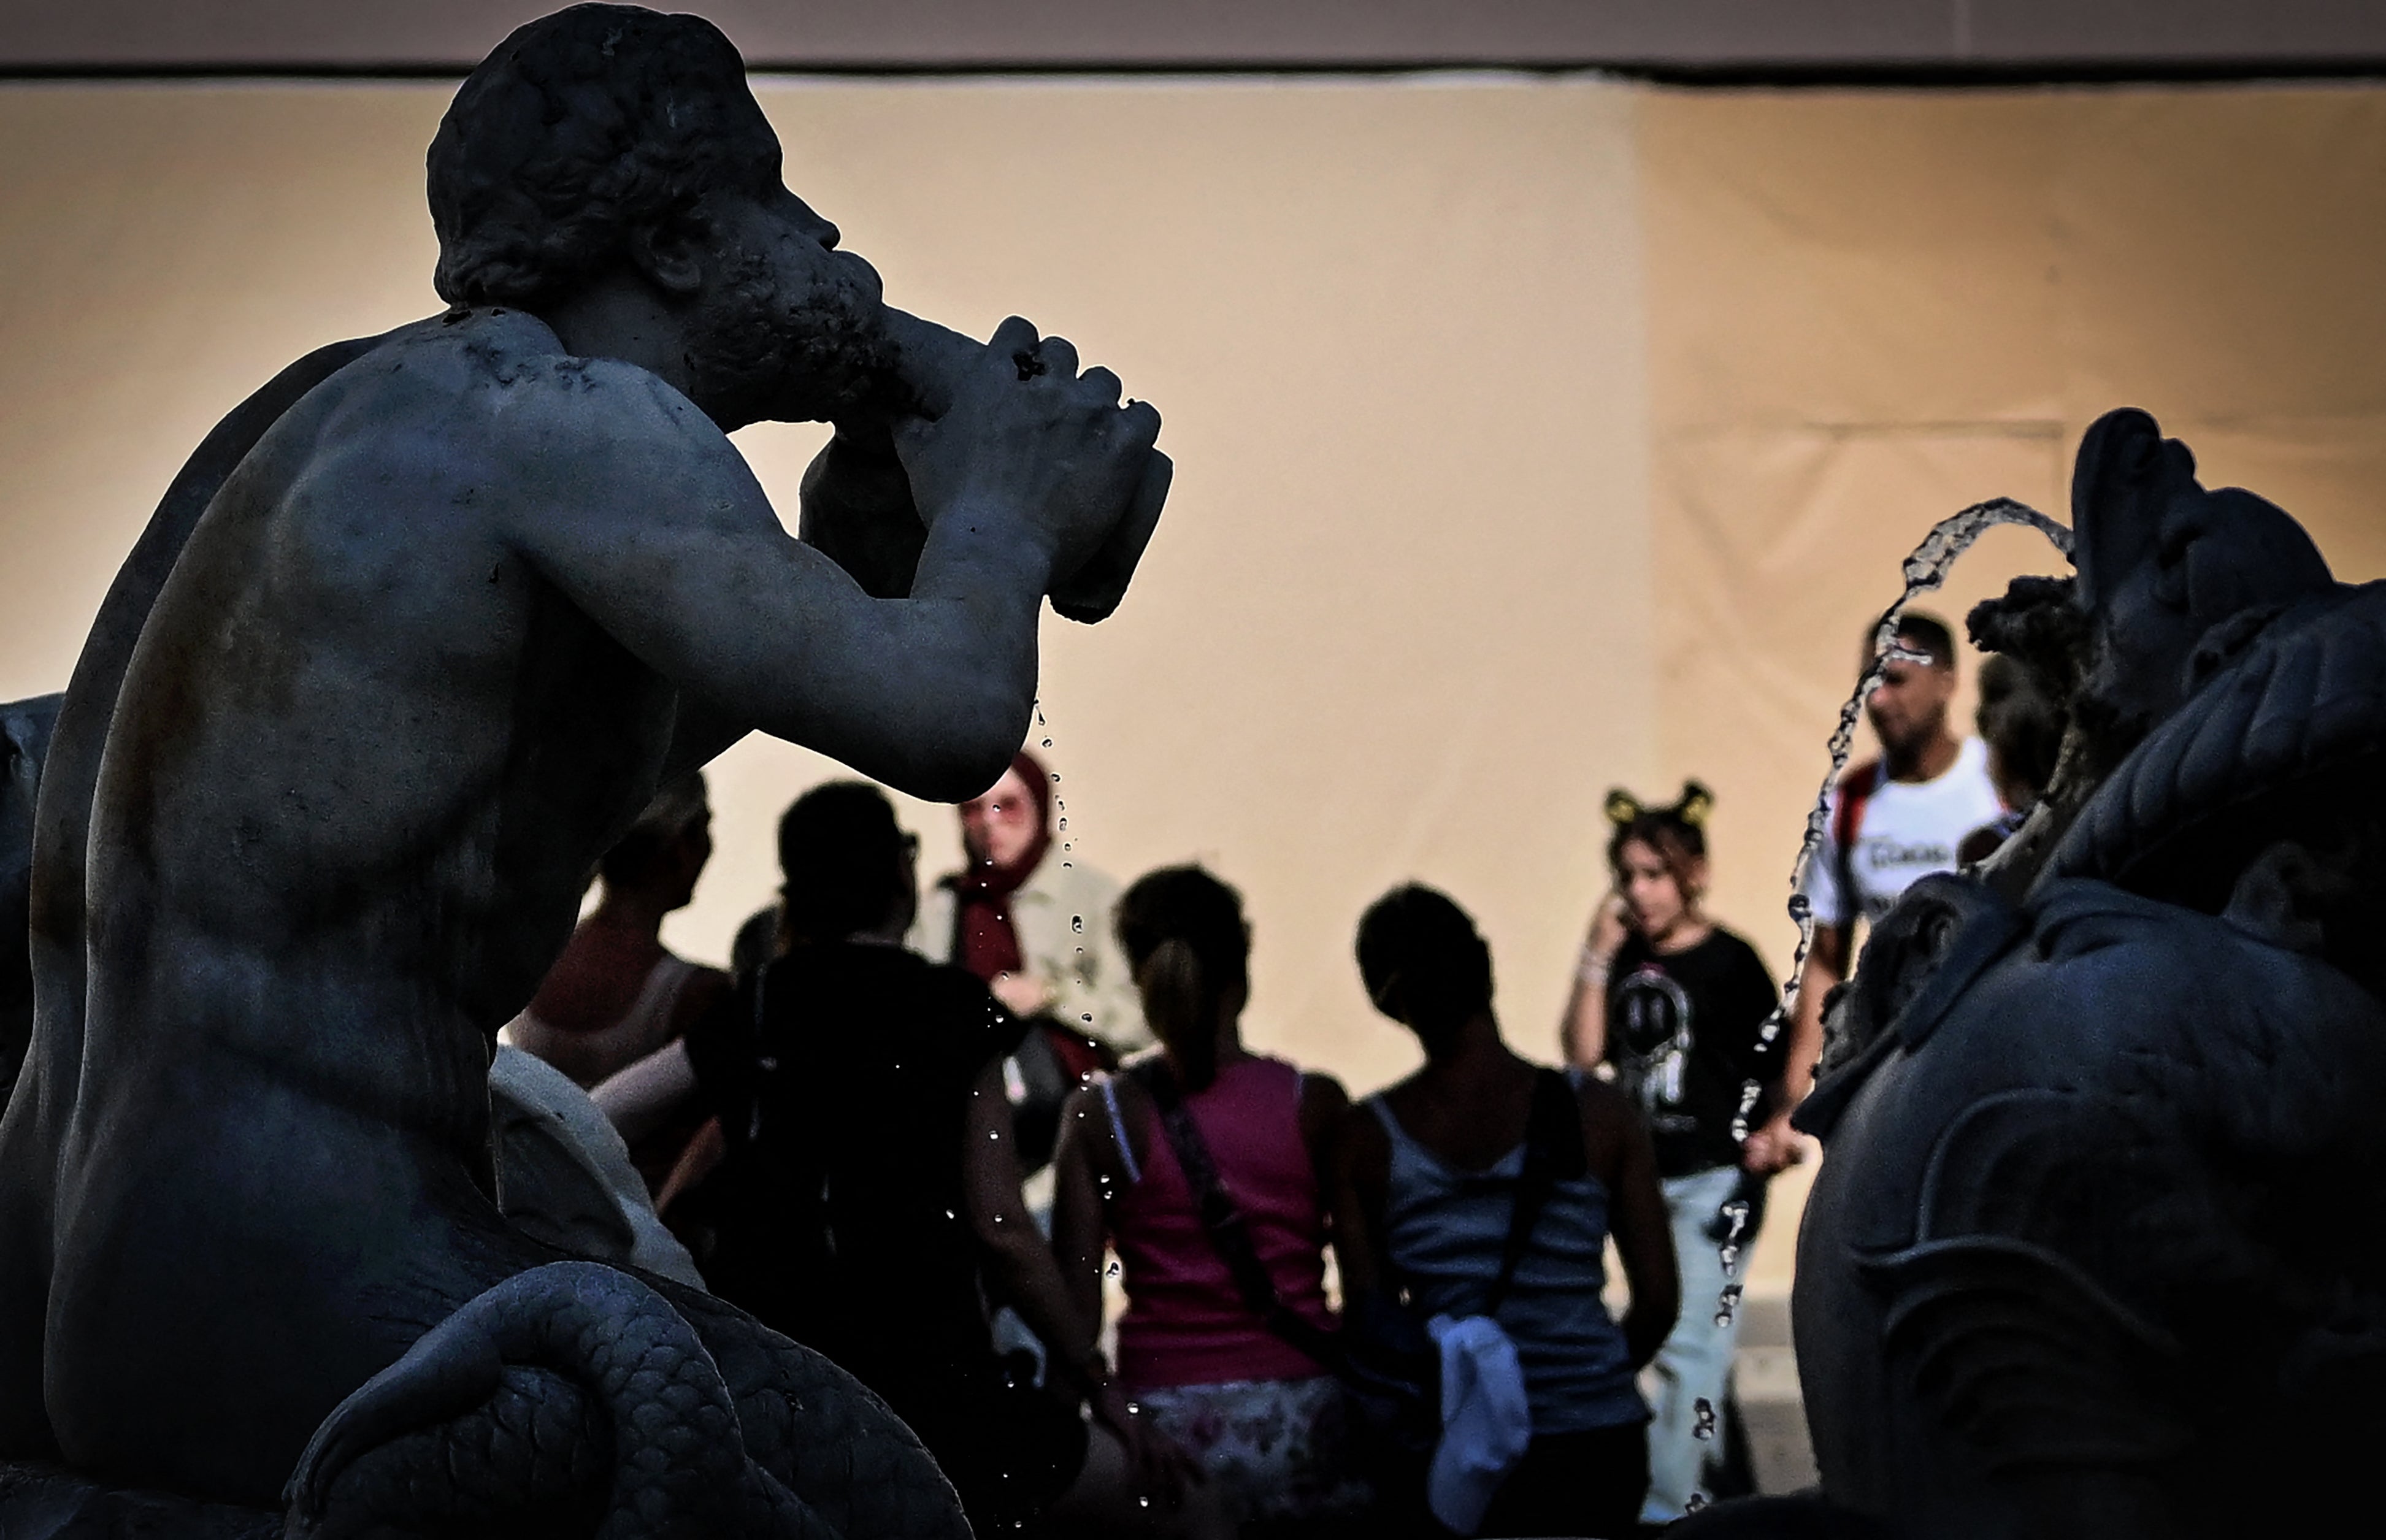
(1473, 518)
(1868, 310)
(1395, 622)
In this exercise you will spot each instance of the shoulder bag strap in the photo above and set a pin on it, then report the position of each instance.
(1223, 1224)
(1855, 790)
(1553, 1153)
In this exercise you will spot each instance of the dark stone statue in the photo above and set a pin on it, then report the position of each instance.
(2097, 1247)
(411, 639)
(24, 741)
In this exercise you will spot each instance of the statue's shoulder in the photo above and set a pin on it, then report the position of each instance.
(504, 372)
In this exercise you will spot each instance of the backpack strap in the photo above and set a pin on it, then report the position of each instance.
(1553, 1153)
(1855, 790)
(1229, 1234)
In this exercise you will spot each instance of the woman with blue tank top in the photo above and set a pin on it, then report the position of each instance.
(1429, 1186)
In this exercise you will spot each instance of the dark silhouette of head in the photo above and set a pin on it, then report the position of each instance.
(666, 849)
(611, 139)
(2022, 724)
(1185, 936)
(1424, 964)
(847, 865)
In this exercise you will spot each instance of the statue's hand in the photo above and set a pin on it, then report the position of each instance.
(1025, 431)
(858, 511)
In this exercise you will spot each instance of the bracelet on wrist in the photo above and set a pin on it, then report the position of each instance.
(1593, 967)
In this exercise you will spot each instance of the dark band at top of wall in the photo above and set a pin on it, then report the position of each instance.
(1693, 42)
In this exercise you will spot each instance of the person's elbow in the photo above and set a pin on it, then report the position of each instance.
(1664, 1303)
(1010, 1243)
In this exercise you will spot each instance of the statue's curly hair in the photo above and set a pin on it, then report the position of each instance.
(581, 127)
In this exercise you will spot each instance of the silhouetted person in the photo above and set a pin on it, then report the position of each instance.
(868, 1204)
(1213, 1369)
(2023, 727)
(1431, 1179)
(617, 993)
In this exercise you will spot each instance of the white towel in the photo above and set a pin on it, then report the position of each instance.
(1485, 1421)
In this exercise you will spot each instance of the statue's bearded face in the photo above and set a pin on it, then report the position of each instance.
(786, 327)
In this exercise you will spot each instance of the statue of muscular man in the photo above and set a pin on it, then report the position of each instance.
(411, 640)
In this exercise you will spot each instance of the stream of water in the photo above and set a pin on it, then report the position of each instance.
(1924, 571)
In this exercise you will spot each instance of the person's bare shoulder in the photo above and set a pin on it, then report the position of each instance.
(1609, 1121)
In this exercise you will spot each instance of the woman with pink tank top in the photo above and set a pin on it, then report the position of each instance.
(1261, 1417)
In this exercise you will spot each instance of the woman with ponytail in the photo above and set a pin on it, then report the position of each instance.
(1206, 1166)
(1674, 1007)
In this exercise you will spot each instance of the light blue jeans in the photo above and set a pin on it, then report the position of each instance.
(1695, 1363)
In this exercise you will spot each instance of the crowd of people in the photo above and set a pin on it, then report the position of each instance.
(921, 1131)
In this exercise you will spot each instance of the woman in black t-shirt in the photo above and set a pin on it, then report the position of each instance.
(1676, 1009)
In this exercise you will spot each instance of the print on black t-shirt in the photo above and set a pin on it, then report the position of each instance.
(1683, 1032)
(1653, 1019)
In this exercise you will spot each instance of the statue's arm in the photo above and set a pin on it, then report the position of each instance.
(858, 512)
(651, 523)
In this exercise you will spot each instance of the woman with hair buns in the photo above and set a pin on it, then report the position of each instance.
(1227, 1326)
(1675, 1006)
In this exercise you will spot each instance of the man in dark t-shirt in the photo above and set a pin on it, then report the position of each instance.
(841, 1074)
(868, 1204)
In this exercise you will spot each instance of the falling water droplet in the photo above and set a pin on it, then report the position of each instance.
(1047, 743)
(1056, 778)
(1077, 923)
(1706, 1426)
(1923, 570)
